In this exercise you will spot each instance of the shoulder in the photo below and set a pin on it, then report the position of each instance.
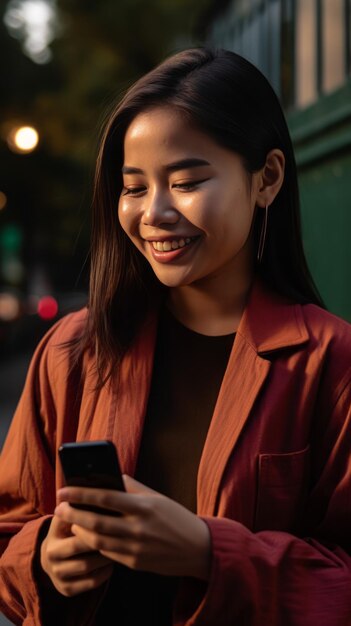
(327, 327)
(54, 352)
(68, 328)
(330, 340)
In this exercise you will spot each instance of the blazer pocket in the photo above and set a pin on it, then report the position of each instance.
(282, 489)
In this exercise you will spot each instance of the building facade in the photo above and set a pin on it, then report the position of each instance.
(304, 49)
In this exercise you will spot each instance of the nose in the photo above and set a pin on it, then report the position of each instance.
(158, 209)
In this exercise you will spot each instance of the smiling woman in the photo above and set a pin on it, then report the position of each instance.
(184, 208)
(190, 213)
(205, 354)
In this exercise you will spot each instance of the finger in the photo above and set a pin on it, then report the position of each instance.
(59, 528)
(96, 522)
(67, 548)
(110, 544)
(134, 486)
(92, 581)
(126, 559)
(103, 498)
(61, 538)
(81, 567)
(117, 501)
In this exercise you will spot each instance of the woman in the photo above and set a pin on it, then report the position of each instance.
(206, 355)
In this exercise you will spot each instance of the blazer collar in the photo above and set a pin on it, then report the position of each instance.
(270, 321)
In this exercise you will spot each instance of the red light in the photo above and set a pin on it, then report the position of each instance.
(47, 307)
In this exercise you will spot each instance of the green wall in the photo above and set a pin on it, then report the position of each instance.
(322, 139)
(326, 217)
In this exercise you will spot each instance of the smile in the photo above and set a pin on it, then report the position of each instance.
(167, 246)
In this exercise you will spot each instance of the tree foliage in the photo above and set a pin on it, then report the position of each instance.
(101, 49)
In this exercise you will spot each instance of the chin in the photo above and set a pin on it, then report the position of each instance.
(173, 282)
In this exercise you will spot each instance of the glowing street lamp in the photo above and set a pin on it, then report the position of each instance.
(23, 139)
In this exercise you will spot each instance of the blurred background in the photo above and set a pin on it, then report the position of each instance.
(63, 62)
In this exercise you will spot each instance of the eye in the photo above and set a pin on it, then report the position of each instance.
(189, 185)
(132, 191)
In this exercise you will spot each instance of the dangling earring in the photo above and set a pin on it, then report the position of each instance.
(262, 235)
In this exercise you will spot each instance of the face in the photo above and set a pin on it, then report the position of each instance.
(187, 203)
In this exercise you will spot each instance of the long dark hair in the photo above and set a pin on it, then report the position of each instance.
(230, 100)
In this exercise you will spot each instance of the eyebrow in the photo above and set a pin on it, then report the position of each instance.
(171, 167)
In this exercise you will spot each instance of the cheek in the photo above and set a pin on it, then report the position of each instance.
(233, 219)
(199, 210)
(126, 216)
(129, 222)
(239, 207)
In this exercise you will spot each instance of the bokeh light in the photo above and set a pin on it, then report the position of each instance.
(36, 24)
(9, 307)
(23, 139)
(47, 307)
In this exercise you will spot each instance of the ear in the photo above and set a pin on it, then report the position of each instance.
(270, 178)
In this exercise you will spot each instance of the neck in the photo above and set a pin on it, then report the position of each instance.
(212, 306)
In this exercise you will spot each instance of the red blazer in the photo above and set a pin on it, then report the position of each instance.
(274, 482)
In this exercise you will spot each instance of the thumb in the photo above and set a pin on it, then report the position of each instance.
(59, 528)
(134, 486)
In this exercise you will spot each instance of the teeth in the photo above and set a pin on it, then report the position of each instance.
(166, 246)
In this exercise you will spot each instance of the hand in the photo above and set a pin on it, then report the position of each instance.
(154, 533)
(70, 563)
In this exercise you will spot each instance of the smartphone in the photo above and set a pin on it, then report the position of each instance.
(91, 464)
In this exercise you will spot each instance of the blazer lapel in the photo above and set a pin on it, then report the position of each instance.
(268, 323)
(244, 377)
(129, 400)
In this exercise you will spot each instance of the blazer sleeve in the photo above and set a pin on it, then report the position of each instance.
(273, 577)
(27, 501)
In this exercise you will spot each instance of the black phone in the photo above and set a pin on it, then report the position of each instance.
(91, 464)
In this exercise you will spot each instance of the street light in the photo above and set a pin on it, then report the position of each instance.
(23, 139)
